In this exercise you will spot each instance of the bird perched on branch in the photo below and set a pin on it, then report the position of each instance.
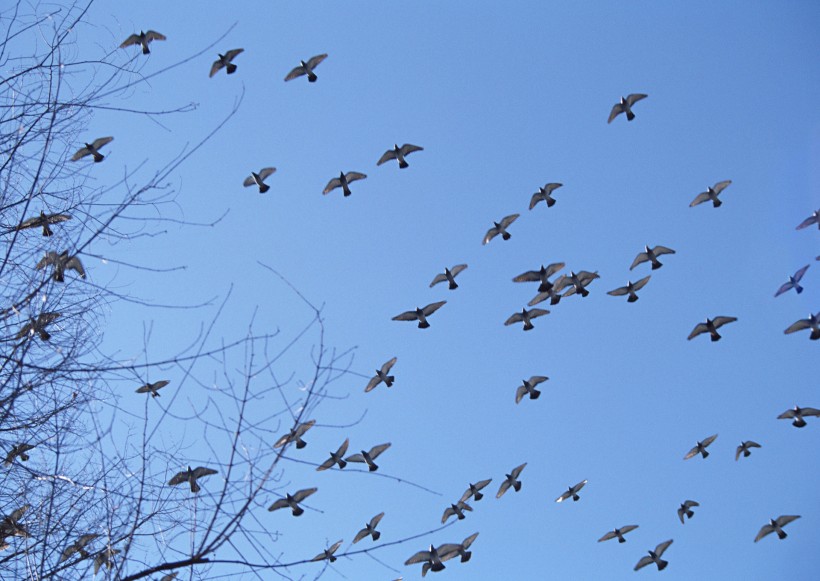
(143, 39)
(306, 68)
(258, 179)
(92, 149)
(292, 501)
(191, 476)
(153, 388)
(43, 220)
(399, 153)
(343, 181)
(224, 61)
(625, 106)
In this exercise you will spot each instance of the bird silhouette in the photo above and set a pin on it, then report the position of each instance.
(224, 61)
(106, 559)
(711, 326)
(500, 228)
(153, 388)
(618, 533)
(17, 450)
(526, 316)
(335, 458)
(544, 194)
(630, 289)
(776, 525)
(511, 480)
(700, 448)
(43, 220)
(474, 490)
(572, 492)
(306, 68)
(686, 509)
(655, 557)
(811, 220)
(143, 39)
(258, 179)
(711, 193)
(793, 282)
(343, 181)
(576, 283)
(38, 326)
(420, 315)
(797, 414)
(625, 106)
(11, 527)
(61, 262)
(327, 554)
(651, 255)
(456, 510)
(292, 501)
(399, 153)
(381, 376)
(92, 149)
(528, 388)
(191, 476)
(430, 558)
(744, 449)
(78, 546)
(541, 276)
(812, 322)
(368, 457)
(295, 435)
(370, 529)
(449, 276)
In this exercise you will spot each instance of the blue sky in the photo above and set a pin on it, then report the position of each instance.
(504, 98)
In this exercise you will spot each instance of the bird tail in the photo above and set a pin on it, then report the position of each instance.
(389, 380)
(815, 335)
(656, 265)
(632, 299)
(312, 77)
(403, 164)
(717, 203)
(799, 423)
(423, 324)
(231, 68)
(555, 299)
(550, 202)
(298, 510)
(154, 394)
(629, 115)
(300, 444)
(194, 487)
(145, 49)
(332, 559)
(98, 157)
(347, 191)
(454, 286)
(690, 513)
(375, 535)
(45, 336)
(662, 564)
(781, 534)
(575, 498)
(715, 337)
(466, 556)
(342, 464)
(534, 394)
(478, 496)
(372, 467)
(505, 235)
(263, 188)
(46, 230)
(528, 326)
(798, 288)
(621, 540)
(746, 453)
(583, 292)
(704, 453)
(517, 486)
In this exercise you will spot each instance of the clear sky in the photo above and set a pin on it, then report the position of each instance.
(504, 97)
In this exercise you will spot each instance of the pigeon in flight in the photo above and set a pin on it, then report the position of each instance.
(106, 558)
(343, 181)
(711, 326)
(153, 388)
(399, 153)
(449, 276)
(78, 546)
(370, 529)
(295, 435)
(744, 449)
(430, 558)
(541, 276)
(17, 450)
(335, 458)
(686, 509)
(92, 149)
(43, 220)
(381, 376)
(143, 39)
(793, 282)
(618, 534)
(369, 456)
(776, 526)
(327, 554)
(655, 557)
(500, 228)
(191, 476)
(306, 68)
(420, 315)
(292, 501)
(61, 262)
(572, 492)
(38, 326)
(577, 283)
(813, 323)
(544, 194)
(526, 316)
(813, 219)
(511, 480)
(10, 527)
(651, 255)
(258, 179)
(457, 510)
(797, 414)
(625, 106)
(551, 293)
(528, 387)
(630, 289)
(224, 61)
(449, 551)
(700, 448)
(711, 194)
(474, 490)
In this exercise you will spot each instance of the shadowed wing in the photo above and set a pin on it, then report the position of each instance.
(432, 308)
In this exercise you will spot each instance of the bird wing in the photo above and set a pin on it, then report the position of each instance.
(536, 379)
(320, 557)
(691, 453)
(517, 470)
(553, 268)
(642, 257)
(579, 486)
(808, 412)
(201, 471)
(764, 530)
(752, 444)
(660, 549)
(326, 465)
(389, 365)
(618, 292)
(628, 528)
(641, 283)
(133, 39)
(215, 67)
(249, 181)
(787, 415)
(507, 220)
(432, 308)
(356, 458)
(538, 313)
(699, 328)
(720, 321)
(536, 197)
(690, 503)
(160, 384)
(81, 153)
(503, 488)
(539, 298)
(100, 141)
(374, 522)
(420, 557)
(438, 278)
(514, 318)
(457, 269)
(300, 495)
(406, 316)
(332, 185)
(266, 171)
(360, 535)
(315, 60)
(352, 176)
(661, 250)
(709, 440)
(178, 478)
(798, 326)
(448, 551)
(386, 156)
(409, 148)
(491, 233)
(302, 428)
(296, 72)
(720, 186)
(552, 186)
(799, 274)
(807, 222)
(376, 451)
(699, 199)
(563, 497)
(448, 512)
(283, 440)
(482, 483)
(617, 109)
(738, 452)
(343, 448)
(529, 276)
(465, 544)
(74, 264)
(634, 98)
(144, 389)
(607, 536)
(786, 519)
(643, 562)
(49, 258)
(281, 503)
(154, 35)
(520, 393)
(232, 54)
(681, 512)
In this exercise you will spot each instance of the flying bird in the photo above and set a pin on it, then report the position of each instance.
(78, 546)
(711, 193)
(370, 529)
(306, 68)
(813, 323)
(369, 456)
(544, 194)
(17, 450)
(541, 276)
(295, 435)
(258, 179)
(577, 283)
(61, 262)
(618, 534)
(500, 228)
(153, 388)
(813, 219)
(399, 153)
(335, 458)
(343, 181)
(550, 293)
(92, 149)
(572, 492)
(745, 449)
(655, 557)
(528, 388)
(451, 550)
(793, 282)
(457, 510)
(797, 414)
(106, 558)
(625, 106)
(700, 448)
(776, 526)
(430, 558)
(711, 326)
(38, 326)
(449, 276)
(420, 315)
(10, 526)
(143, 39)
(651, 255)
(381, 376)
(191, 476)
(474, 489)
(511, 480)
(630, 289)
(224, 61)
(327, 554)
(43, 220)
(686, 509)
(292, 501)
(526, 316)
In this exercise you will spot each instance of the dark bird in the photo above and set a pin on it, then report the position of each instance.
(381, 376)
(369, 456)
(370, 529)
(625, 106)
(11, 527)
(143, 39)
(306, 68)
(528, 388)
(43, 220)
(511, 480)
(651, 255)
(572, 492)
(153, 388)
(686, 509)
(335, 458)
(618, 534)
(327, 554)
(78, 547)
(258, 179)
(474, 490)
(776, 526)
(797, 414)
(744, 449)
(711, 194)
(224, 61)
(813, 219)
(292, 501)
(449, 276)
(420, 315)
(38, 326)
(550, 293)
(526, 316)
(456, 510)
(813, 323)
(541, 276)
(500, 228)
(630, 289)
(430, 558)
(793, 282)
(700, 448)
(577, 283)
(711, 326)
(343, 181)
(655, 557)
(544, 194)
(191, 476)
(92, 149)
(105, 558)
(399, 153)
(61, 262)
(295, 435)
(17, 450)
(449, 551)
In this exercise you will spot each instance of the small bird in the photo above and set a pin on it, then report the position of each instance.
(541, 276)
(143, 39)
(797, 414)
(10, 526)
(793, 282)
(528, 387)
(813, 323)
(618, 533)
(700, 448)
(38, 326)
(327, 554)
(625, 106)
(544, 194)
(776, 526)
(306, 68)
(744, 449)
(450, 550)
(258, 179)
(686, 509)
(651, 255)
(551, 293)
(500, 228)
(655, 557)
(572, 492)
(61, 262)
(335, 458)
(456, 510)
(105, 558)
(449, 276)
(295, 435)
(420, 315)
(430, 558)
(711, 194)
(370, 529)
(630, 289)
(224, 61)
(511, 480)
(191, 476)
(292, 501)
(369, 456)
(92, 149)
(813, 219)
(399, 153)
(474, 489)
(17, 450)
(153, 388)
(343, 181)
(78, 547)
(526, 316)
(711, 326)
(43, 220)
(577, 283)
(381, 376)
